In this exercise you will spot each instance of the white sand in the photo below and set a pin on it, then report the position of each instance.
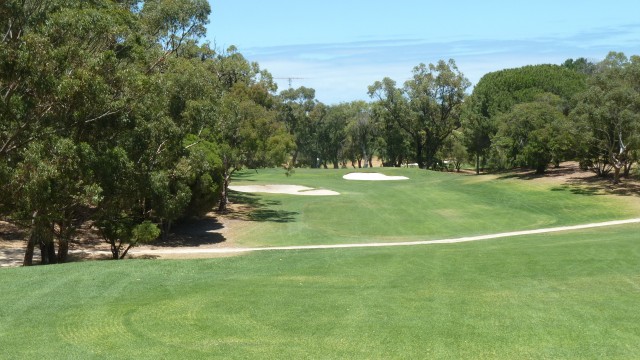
(283, 189)
(372, 177)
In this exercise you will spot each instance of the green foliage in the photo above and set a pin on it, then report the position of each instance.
(428, 108)
(145, 124)
(498, 92)
(533, 134)
(608, 113)
(453, 151)
(389, 108)
(144, 233)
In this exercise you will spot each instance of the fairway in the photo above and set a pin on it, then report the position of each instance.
(563, 295)
(568, 294)
(428, 206)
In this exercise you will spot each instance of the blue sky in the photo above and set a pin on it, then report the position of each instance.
(341, 47)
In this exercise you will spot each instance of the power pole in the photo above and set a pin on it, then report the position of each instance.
(289, 79)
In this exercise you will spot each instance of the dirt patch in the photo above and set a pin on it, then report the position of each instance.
(212, 231)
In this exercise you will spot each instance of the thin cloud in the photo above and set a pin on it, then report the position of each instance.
(342, 71)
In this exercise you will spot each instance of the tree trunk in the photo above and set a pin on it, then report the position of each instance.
(627, 169)
(477, 163)
(224, 191)
(33, 240)
(616, 174)
(166, 228)
(126, 251)
(115, 249)
(63, 250)
(28, 254)
(48, 252)
(419, 156)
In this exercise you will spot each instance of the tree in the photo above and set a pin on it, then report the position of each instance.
(478, 130)
(436, 94)
(362, 133)
(533, 133)
(498, 92)
(295, 110)
(428, 108)
(247, 134)
(86, 83)
(609, 112)
(454, 151)
(53, 194)
(332, 134)
(580, 65)
(390, 109)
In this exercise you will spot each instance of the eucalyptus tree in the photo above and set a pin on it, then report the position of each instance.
(295, 112)
(454, 151)
(533, 134)
(436, 94)
(336, 133)
(362, 131)
(428, 108)
(478, 129)
(244, 125)
(609, 111)
(62, 86)
(389, 109)
(80, 78)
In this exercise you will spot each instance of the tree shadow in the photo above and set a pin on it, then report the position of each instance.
(528, 174)
(579, 190)
(251, 207)
(193, 232)
(244, 176)
(579, 182)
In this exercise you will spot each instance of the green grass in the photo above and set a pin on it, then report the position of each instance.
(569, 295)
(431, 205)
(558, 295)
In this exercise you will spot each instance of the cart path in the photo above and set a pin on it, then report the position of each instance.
(380, 244)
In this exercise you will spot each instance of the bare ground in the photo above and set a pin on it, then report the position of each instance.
(213, 236)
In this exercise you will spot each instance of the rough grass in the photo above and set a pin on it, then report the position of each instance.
(431, 205)
(569, 295)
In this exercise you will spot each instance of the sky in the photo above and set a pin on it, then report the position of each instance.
(340, 47)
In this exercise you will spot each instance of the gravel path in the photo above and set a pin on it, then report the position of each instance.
(186, 251)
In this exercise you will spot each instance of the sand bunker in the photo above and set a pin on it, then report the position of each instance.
(372, 177)
(283, 189)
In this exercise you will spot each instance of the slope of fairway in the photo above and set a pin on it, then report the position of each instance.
(430, 205)
(569, 295)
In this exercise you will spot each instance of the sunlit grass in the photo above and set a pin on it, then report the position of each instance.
(430, 205)
(570, 295)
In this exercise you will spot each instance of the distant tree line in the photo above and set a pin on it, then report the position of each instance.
(114, 113)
